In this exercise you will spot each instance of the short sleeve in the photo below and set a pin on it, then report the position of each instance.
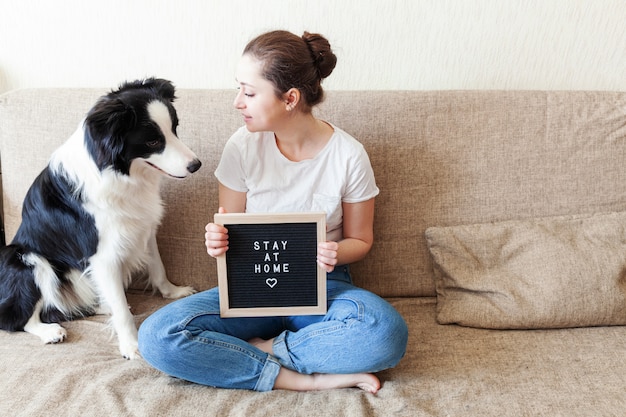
(362, 183)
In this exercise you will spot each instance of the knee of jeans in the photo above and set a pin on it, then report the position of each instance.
(146, 337)
(401, 338)
(152, 337)
(393, 337)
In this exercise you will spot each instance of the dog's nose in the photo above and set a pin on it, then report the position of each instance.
(194, 166)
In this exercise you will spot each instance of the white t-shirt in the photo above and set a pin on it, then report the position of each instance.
(340, 172)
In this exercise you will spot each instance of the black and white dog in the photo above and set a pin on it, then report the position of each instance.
(89, 220)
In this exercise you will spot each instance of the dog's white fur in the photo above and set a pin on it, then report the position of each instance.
(127, 233)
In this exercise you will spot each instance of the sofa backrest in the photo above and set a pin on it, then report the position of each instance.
(440, 158)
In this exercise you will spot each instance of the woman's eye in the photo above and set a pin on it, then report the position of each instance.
(244, 93)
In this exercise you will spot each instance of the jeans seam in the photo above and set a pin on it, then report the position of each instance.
(185, 322)
(359, 306)
(189, 335)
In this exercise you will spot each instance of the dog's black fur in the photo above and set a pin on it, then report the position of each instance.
(89, 215)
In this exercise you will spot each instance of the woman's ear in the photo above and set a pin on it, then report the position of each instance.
(291, 98)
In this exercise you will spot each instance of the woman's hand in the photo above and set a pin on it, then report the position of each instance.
(216, 238)
(327, 255)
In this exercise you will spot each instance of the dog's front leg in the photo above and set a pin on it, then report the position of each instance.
(47, 332)
(157, 276)
(110, 284)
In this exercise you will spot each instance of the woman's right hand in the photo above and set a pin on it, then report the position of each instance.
(216, 238)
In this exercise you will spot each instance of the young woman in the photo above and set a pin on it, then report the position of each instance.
(286, 160)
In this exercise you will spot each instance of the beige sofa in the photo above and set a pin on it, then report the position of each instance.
(444, 161)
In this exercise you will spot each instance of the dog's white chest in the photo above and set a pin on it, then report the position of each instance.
(126, 215)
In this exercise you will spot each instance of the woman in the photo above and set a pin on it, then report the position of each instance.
(286, 160)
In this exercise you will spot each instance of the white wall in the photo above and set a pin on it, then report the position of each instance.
(380, 44)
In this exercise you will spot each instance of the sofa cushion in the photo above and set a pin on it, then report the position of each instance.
(553, 272)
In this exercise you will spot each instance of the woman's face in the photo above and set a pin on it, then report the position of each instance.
(256, 99)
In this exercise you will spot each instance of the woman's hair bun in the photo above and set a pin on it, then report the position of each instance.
(323, 57)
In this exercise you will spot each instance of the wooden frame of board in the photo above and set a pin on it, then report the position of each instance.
(270, 268)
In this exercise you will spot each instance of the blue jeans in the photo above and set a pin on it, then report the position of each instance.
(188, 339)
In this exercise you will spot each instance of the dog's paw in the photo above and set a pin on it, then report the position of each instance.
(52, 333)
(175, 291)
(130, 350)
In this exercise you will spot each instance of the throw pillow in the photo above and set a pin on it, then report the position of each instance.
(556, 272)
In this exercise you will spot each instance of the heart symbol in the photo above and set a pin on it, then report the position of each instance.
(271, 282)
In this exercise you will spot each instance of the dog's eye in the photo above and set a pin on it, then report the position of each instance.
(153, 143)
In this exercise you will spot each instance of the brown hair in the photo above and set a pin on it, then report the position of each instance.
(289, 61)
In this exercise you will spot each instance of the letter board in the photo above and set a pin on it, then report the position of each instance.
(270, 268)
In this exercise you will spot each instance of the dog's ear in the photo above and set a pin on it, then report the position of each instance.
(106, 124)
(164, 88)
(110, 116)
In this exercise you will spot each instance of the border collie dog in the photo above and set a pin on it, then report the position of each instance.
(89, 219)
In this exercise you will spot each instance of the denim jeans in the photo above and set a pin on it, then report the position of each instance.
(188, 339)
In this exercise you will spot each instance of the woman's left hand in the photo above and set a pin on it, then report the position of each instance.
(327, 255)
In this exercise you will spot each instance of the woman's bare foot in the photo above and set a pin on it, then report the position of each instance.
(265, 345)
(292, 380)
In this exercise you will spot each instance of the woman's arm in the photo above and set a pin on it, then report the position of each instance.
(216, 236)
(358, 237)
(230, 200)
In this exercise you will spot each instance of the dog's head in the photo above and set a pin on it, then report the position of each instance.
(136, 124)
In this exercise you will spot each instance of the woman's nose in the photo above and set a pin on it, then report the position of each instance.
(238, 103)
